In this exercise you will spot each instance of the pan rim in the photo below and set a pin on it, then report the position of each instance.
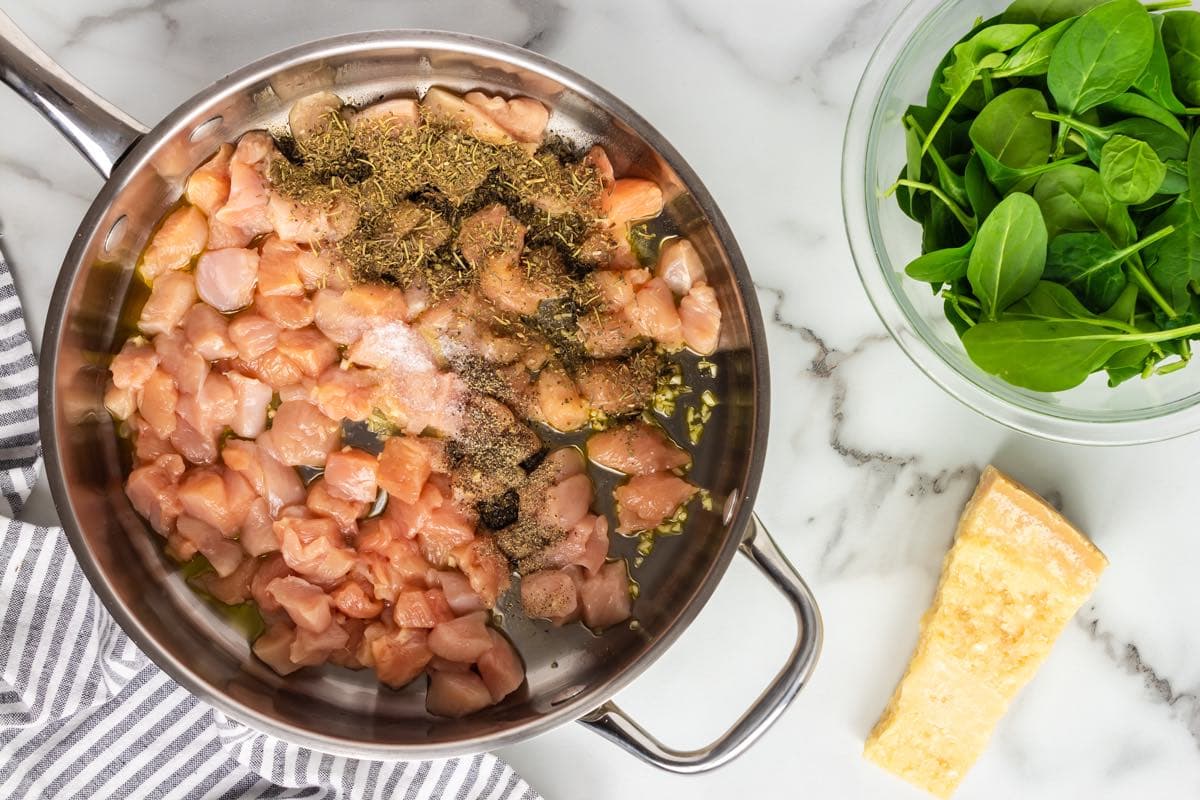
(138, 158)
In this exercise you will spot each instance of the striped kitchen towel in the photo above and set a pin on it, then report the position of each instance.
(84, 714)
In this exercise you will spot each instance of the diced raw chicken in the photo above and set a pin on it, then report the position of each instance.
(654, 314)
(392, 565)
(207, 330)
(607, 335)
(598, 159)
(398, 113)
(233, 588)
(296, 222)
(315, 549)
(246, 209)
(224, 555)
(251, 398)
(485, 567)
(404, 466)
(252, 335)
(501, 667)
(345, 393)
(463, 639)
(208, 187)
(344, 512)
(604, 597)
(217, 497)
(522, 117)
(647, 500)
(585, 545)
(225, 279)
(269, 568)
(179, 239)
(197, 447)
(306, 604)
(276, 483)
(619, 287)
(409, 518)
(417, 608)
(121, 403)
(312, 649)
(395, 346)
(458, 592)
(347, 655)
(562, 463)
(566, 503)
(221, 235)
(456, 694)
(632, 199)
(180, 360)
(700, 318)
(153, 491)
(491, 236)
(355, 600)
(301, 435)
(257, 534)
(636, 448)
(274, 648)
(317, 269)
(148, 445)
(212, 408)
(559, 400)
(344, 316)
(275, 369)
(507, 284)
(447, 105)
(133, 365)
(352, 474)
(253, 148)
(444, 531)
(399, 655)
(616, 387)
(279, 268)
(285, 311)
(549, 594)
(170, 298)
(313, 114)
(679, 266)
(158, 401)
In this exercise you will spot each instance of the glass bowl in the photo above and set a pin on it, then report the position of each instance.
(883, 240)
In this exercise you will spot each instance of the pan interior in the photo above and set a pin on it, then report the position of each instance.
(569, 669)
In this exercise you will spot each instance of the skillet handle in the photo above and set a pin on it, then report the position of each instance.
(614, 724)
(98, 129)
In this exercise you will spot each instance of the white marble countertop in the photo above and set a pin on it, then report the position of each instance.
(869, 463)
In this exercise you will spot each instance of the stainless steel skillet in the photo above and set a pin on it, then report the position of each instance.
(571, 674)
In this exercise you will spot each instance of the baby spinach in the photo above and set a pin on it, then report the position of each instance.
(1130, 170)
(1009, 254)
(1100, 56)
(1181, 42)
(1053, 173)
(1033, 57)
(941, 266)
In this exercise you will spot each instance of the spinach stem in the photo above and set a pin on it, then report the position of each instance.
(1165, 5)
(959, 298)
(938, 162)
(988, 91)
(966, 221)
(1143, 280)
(937, 125)
(1066, 123)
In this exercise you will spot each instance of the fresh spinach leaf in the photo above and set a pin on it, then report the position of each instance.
(1089, 265)
(941, 266)
(1125, 306)
(1155, 80)
(980, 192)
(1048, 300)
(1033, 57)
(1193, 169)
(1100, 56)
(1174, 262)
(1127, 364)
(1136, 105)
(1047, 12)
(1008, 130)
(1009, 254)
(1044, 355)
(1130, 170)
(1072, 198)
(1181, 42)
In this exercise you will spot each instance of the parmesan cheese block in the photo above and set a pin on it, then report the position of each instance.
(1015, 576)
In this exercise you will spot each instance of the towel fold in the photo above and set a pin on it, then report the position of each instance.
(83, 713)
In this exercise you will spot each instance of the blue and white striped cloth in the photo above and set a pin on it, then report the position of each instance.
(84, 714)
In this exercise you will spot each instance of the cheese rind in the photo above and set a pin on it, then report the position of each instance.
(1015, 576)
